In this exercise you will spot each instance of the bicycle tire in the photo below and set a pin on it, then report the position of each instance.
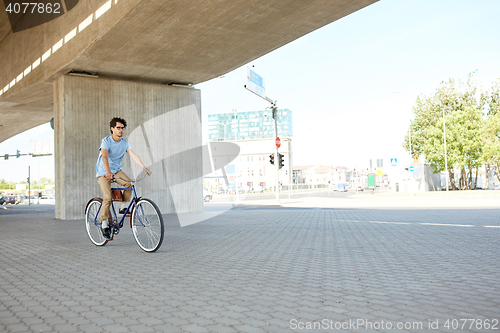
(92, 225)
(147, 225)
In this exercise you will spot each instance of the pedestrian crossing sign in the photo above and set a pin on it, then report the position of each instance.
(394, 162)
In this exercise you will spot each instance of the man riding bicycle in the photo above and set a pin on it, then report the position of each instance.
(112, 150)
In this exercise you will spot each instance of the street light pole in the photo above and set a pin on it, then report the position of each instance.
(411, 153)
(258, 89)
(236, 159)
(448, 109)
(235, 138)
(224, 129)
(277, 154)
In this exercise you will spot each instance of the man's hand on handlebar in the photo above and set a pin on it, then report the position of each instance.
(109, 176)
(147, 171)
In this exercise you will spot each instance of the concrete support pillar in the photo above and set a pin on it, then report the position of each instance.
(163, 128)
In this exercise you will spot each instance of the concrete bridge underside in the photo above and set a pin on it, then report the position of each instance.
(137, 48)
(155, 41)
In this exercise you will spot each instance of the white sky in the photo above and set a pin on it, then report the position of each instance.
(351, 85)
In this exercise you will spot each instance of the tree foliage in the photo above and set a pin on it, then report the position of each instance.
(472, 128)
(4, 185)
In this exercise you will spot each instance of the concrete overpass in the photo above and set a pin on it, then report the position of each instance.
(137, 49)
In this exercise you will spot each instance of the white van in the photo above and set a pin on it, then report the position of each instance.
(207, 195)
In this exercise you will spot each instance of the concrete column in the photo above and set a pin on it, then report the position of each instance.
(163, 128)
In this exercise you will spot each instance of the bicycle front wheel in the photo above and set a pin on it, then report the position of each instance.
(93, 222)
(147, 225)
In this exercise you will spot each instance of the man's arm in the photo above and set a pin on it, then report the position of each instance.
(105, 163)
(137, 160)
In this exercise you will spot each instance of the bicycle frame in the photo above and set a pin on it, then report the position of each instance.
(132, 202)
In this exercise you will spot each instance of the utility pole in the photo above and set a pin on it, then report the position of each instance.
(447, 109)
(255, 84)
(277, 155)
(236, 159)
(29, 187)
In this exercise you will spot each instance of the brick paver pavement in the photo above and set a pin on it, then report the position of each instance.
(255, 269)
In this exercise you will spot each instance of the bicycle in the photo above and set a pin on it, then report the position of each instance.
(146, 220)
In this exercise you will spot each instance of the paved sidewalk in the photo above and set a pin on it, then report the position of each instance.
(256, 269)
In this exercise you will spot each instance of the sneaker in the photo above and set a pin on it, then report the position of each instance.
(106, 232)
(123, 211)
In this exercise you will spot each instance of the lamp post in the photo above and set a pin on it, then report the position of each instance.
(236, 159)
(411, 153)
(447, 109)
(234, 122)
(411, 159)
(235, 137)
(224, 129)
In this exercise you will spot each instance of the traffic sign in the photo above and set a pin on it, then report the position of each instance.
(411, 168)
(394, 162)
(278, 142)
(255, 83)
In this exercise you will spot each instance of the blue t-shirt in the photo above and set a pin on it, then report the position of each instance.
(116, 151)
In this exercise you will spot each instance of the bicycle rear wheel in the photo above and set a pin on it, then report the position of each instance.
(147, 225)
(93, 222)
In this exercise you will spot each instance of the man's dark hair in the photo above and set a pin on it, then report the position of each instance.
(115, 120)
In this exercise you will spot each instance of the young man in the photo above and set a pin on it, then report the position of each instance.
(112, 150)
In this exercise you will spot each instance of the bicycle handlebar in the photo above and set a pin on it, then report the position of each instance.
(130, 180)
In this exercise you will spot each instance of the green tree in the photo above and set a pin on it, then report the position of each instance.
(463, 129)
(491, 147)
(491, 132)
(426, 129)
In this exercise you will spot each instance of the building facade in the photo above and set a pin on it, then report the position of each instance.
(249, 125)
(253, 131)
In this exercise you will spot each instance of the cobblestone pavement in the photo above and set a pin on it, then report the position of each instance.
(256, 269)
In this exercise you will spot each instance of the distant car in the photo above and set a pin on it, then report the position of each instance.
(360, 188)
(207, 195)
(340, 187)
(50, 200)
(32, 199)
(20, 199)
(10, 200)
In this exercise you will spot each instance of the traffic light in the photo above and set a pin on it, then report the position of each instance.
(271, 159)
(6, 156)
(28, 180)
(18, 154)
(282, 161)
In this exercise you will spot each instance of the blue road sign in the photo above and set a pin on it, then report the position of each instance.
(230, 169)
(394, 162)
(411, 168)
(255, 83)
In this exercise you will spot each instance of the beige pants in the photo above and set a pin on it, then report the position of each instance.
(105, 184)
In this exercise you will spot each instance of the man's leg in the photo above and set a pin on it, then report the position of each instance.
(127, 195)
(105, 184)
